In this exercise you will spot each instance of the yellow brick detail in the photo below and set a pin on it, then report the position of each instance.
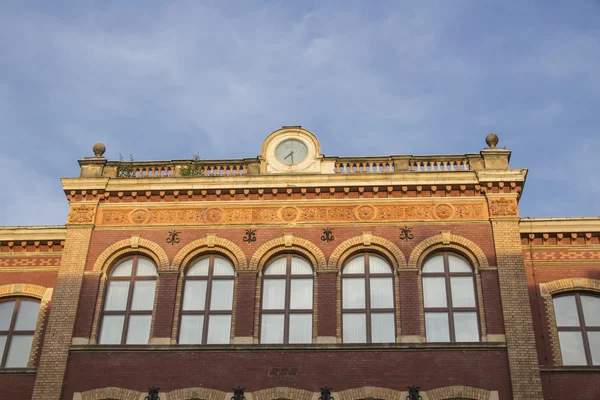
(135, 244)
(278, 245)
(220, 245)
(356, 244)
(437, 242)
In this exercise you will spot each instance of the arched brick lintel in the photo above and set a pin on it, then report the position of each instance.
(449, 241)
(287, 242)
(211, 243)
(572, 285)
(23, 289)
(366, 242)
(135, 244)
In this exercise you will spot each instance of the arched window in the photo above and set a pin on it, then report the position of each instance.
(18, 318)
(578, 324)
(449, 299)
(368, 300)
(287, 301)
(129, 301)
(207, 302)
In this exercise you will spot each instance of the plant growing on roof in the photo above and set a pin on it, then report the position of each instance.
(125, 168)
(193, 168)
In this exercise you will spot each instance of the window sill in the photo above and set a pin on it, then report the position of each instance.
(293, 347)
(18, 371)
(571, 368)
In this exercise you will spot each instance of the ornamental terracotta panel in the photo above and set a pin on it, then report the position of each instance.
(288, 214)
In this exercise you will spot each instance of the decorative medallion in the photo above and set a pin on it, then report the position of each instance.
(289, 214)
(365, 213)
(503, 207)
(213, 215)
(139, 216)
(443, 211)
(81, 215)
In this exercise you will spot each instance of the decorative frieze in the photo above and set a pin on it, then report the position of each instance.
(292, 214)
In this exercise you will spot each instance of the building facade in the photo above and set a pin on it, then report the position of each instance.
(293, 271)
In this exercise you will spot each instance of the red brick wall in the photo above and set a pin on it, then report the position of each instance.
(571, 385)
(338, 369)
(17, 387)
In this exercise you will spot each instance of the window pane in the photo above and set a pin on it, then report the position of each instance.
(594, 339)
(301, 297)
(434, 264)
(277, 267)
(465, 327)
(271, 330)
(221, 296)
(571, 348)
(219, 329)
(112, 329)
(6, 313)
(355, 328)
(200, 268)
(463, 292)
(139, 329)
(274, 294)
(145, 267)
(566, 311)
(300, 328)
(591, 310)
(2, 344)
(353, 292)
(27, 317)
(382, 292)
(123, 269)
(382, 328)
(355, 266)
(116, 296)
(222, 267)
(300, 267)
(194, 295)
(434, 292)
(378, 265)
(143, 295)
(191, 329)
(436, 327)
(18, 354)
(457, 264)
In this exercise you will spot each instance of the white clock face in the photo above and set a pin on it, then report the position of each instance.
(291, 151)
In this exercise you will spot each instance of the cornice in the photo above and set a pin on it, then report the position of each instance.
(32, 233)
(559, 225)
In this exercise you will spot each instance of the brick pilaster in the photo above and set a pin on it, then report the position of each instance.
(55, 353)
(520, 340)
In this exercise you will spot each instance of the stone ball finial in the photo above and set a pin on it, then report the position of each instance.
(492, 140)
(99, 149)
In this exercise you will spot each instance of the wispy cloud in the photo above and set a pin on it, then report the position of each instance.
(164, 80)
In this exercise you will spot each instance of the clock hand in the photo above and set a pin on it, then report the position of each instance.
(290, 155)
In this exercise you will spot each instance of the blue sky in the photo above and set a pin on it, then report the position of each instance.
(166, 79)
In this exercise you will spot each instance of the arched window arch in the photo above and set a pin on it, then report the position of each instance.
(18, 318)
(449, 299)
(578, 325)
(287, 301)
(129, 302)
(368, 300)
(207, 302)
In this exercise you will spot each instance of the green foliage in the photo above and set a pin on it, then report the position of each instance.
(125, 168)
(194, 167)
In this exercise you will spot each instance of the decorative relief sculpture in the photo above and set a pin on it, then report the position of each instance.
(82, 215)
(503, 207)
(444, 211)
(300, 214)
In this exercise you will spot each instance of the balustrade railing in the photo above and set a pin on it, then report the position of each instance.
(342, 165)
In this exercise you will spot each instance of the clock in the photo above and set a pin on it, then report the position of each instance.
(291, 151)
